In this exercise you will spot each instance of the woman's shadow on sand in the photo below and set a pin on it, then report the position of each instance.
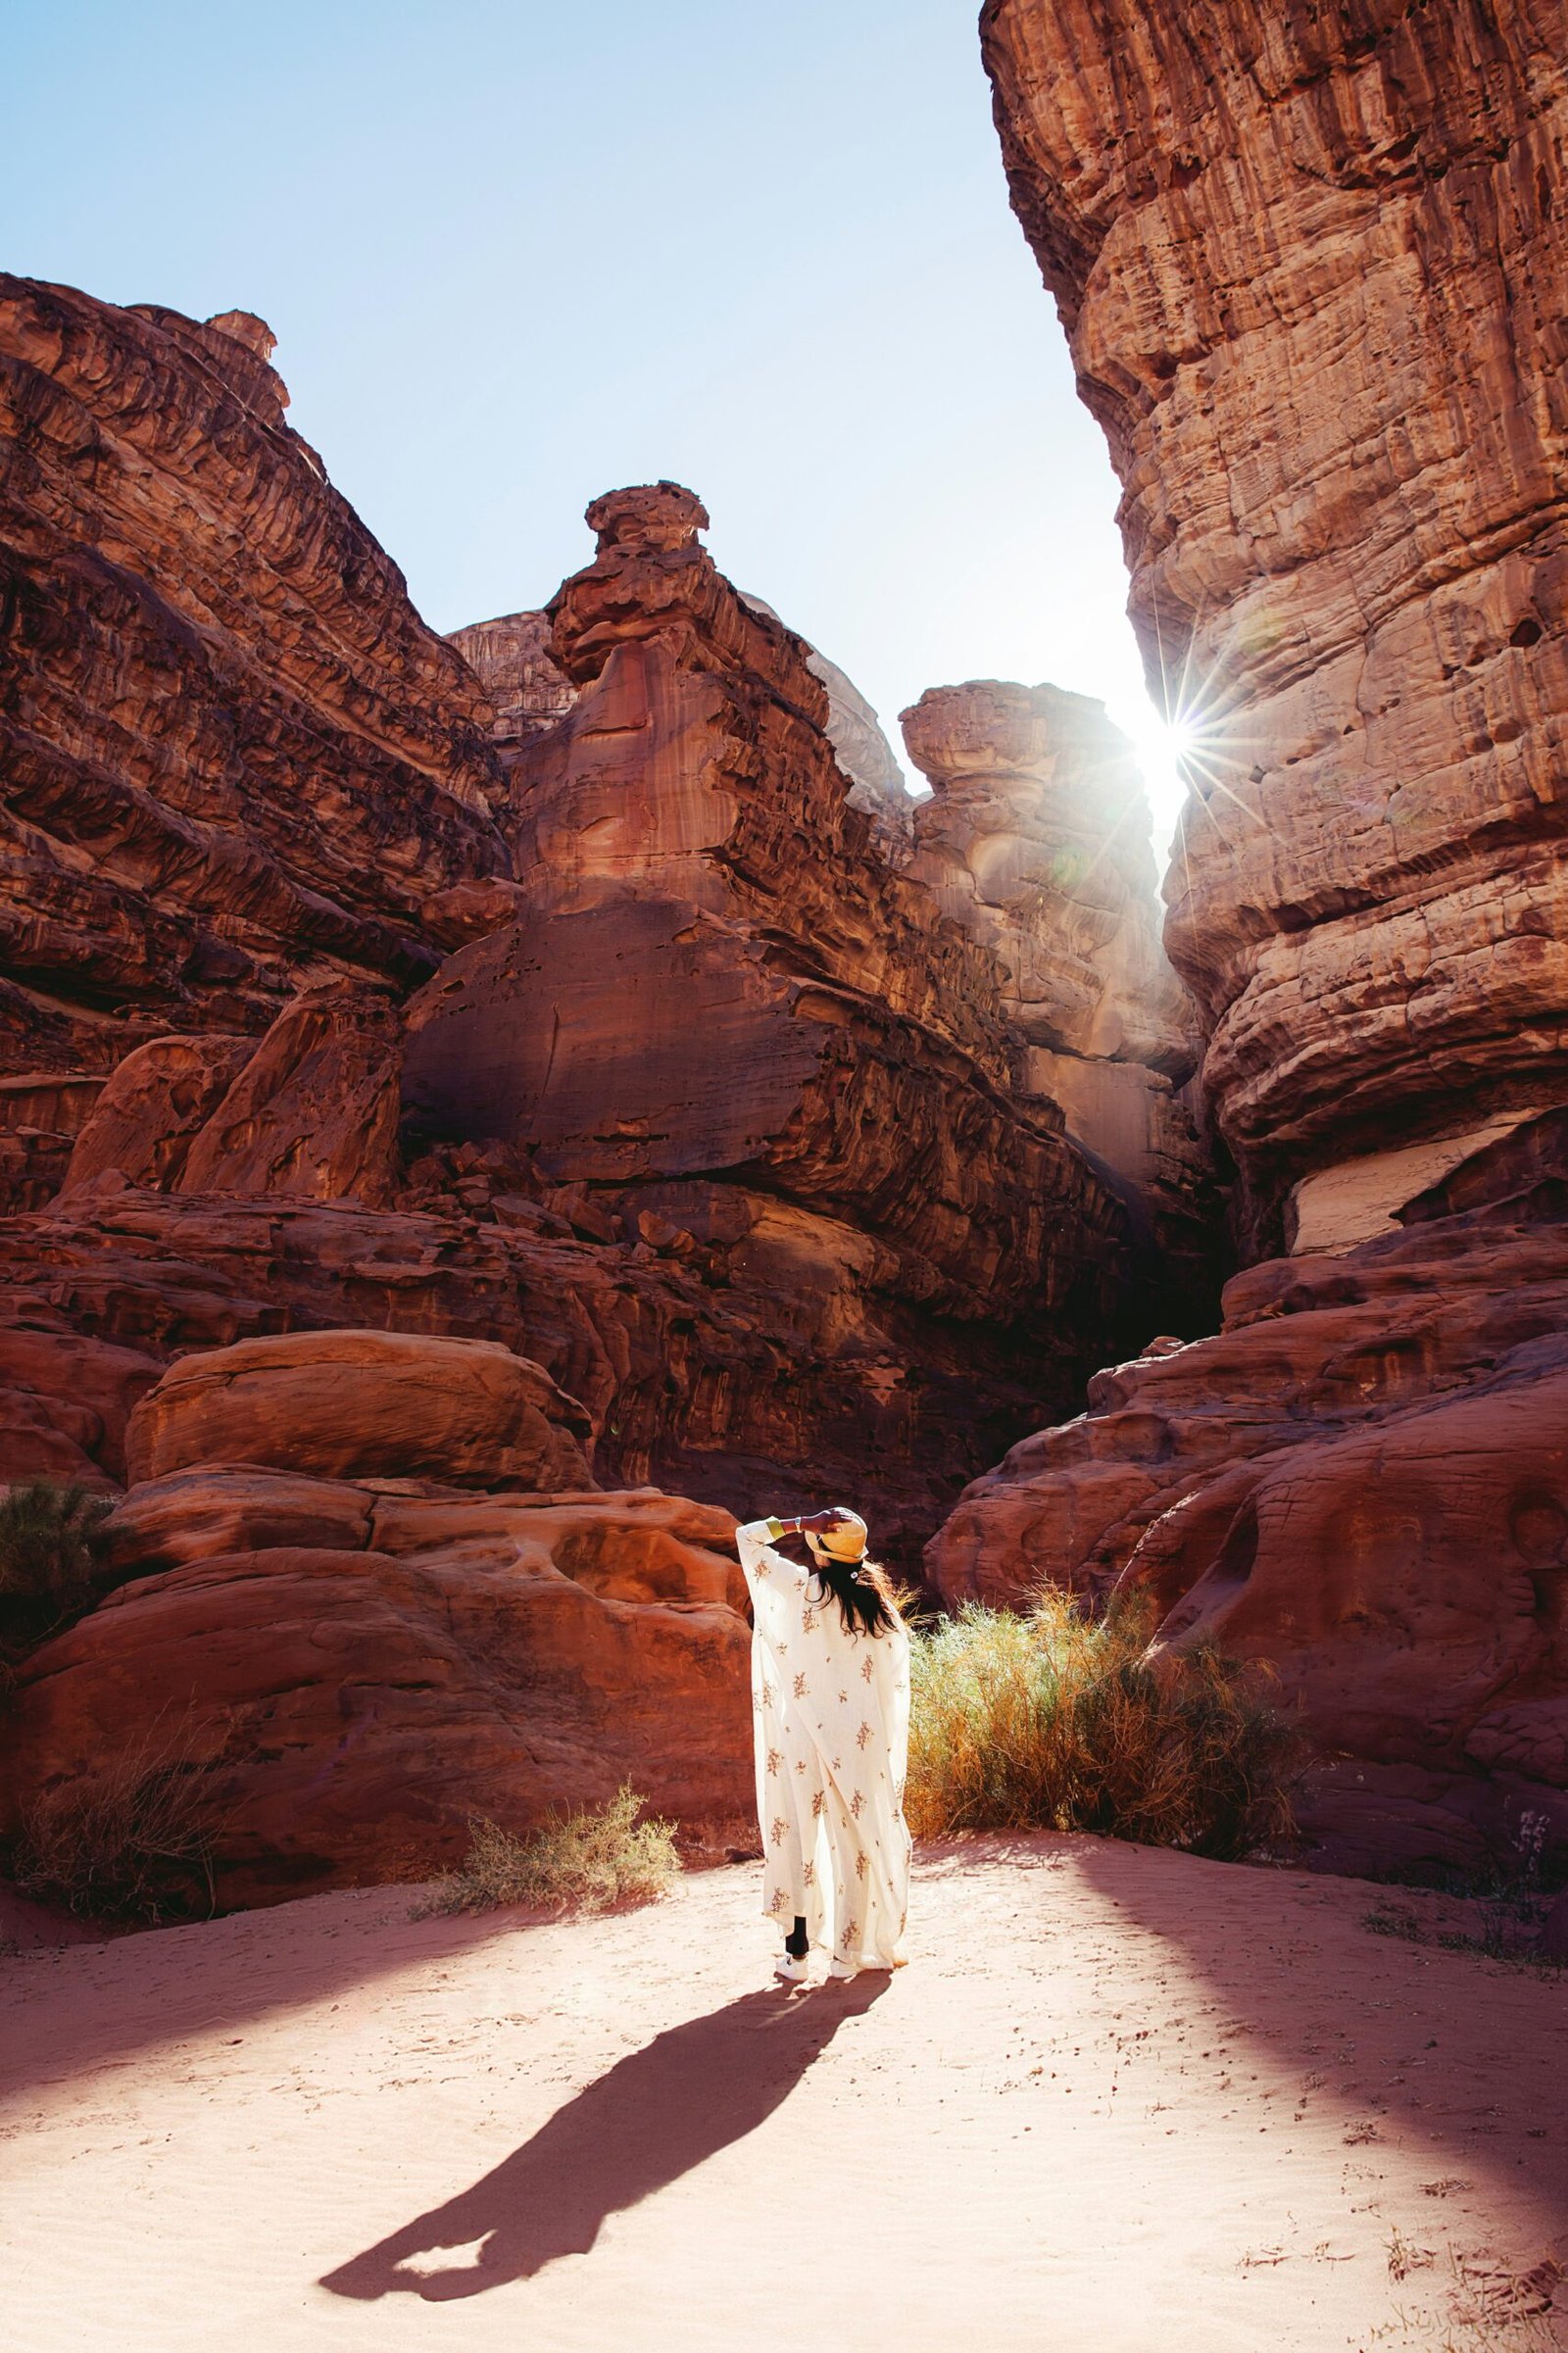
(653, 2117)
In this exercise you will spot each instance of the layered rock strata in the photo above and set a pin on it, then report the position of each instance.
(713, 1167)
(237, 760)
(530, 694)
(724, 1015)
(1362, 1480)
(1314, 270)
(1036, 841)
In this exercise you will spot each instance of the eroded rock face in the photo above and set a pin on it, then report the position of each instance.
(1361, 1479)
(1036, 840)
(530, 694)
(786, 1230)
(1314, 271)
(512, 660)
(719, 990)
(725, 1344)
(1290, 249)
(152, 1106)
(237, 760)
(349, 1672)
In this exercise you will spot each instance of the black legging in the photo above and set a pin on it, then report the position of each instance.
(795, 1944)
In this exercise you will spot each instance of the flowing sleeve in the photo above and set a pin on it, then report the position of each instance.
(751, 1543)
(775, 1582)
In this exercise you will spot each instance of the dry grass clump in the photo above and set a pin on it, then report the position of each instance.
(588, 1861)
(50, 1549)
(1055, 1721)
(134, 1846)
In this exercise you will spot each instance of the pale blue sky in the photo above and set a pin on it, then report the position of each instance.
(518, 254)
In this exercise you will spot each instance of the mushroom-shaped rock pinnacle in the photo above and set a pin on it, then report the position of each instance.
(647, 514)
(245, 328)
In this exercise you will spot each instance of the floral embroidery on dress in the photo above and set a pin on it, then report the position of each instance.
(855, 1911)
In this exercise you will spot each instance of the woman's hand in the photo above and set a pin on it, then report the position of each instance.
(818, 1522)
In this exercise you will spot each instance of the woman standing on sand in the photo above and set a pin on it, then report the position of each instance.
(830, 1693)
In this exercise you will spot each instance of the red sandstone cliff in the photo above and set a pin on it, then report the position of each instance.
(1312, 266)
(356, 1262)
(1036, 841)
(751, 1038)
(235, 760)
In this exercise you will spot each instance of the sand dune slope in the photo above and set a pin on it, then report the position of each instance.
(1121, 2100)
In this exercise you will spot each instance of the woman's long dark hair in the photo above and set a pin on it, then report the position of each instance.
(862, 1590)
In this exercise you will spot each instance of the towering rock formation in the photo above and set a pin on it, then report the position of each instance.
(786, 1221)
(1313, 265)
(529, 692)
(722, 1013)
(1036, 840)
(706, 1159)
(236, 762)
(1314, 271)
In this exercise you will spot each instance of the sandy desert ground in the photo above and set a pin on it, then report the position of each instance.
(1121, 2099)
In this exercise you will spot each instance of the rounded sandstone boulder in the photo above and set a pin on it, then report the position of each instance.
(364, 1404)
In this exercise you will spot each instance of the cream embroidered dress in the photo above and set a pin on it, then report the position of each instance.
(832, 1720)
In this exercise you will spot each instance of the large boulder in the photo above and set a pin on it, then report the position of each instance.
(336, 1404)
(342, 1702)
(152, 1105)
(313, 1110)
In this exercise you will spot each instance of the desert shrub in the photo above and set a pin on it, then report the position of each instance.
(1054, 1719)
(50, 1547)
(132, 1845)
(581, 1862)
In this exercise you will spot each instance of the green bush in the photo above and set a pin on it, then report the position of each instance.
(50, 1549)
(1057, 1721)
(582, 1862)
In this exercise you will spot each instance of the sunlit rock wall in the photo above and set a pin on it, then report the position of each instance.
(1036, 840)
(1313, 265)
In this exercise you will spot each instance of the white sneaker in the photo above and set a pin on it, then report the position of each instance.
(790, 1970)
(841, 1969)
